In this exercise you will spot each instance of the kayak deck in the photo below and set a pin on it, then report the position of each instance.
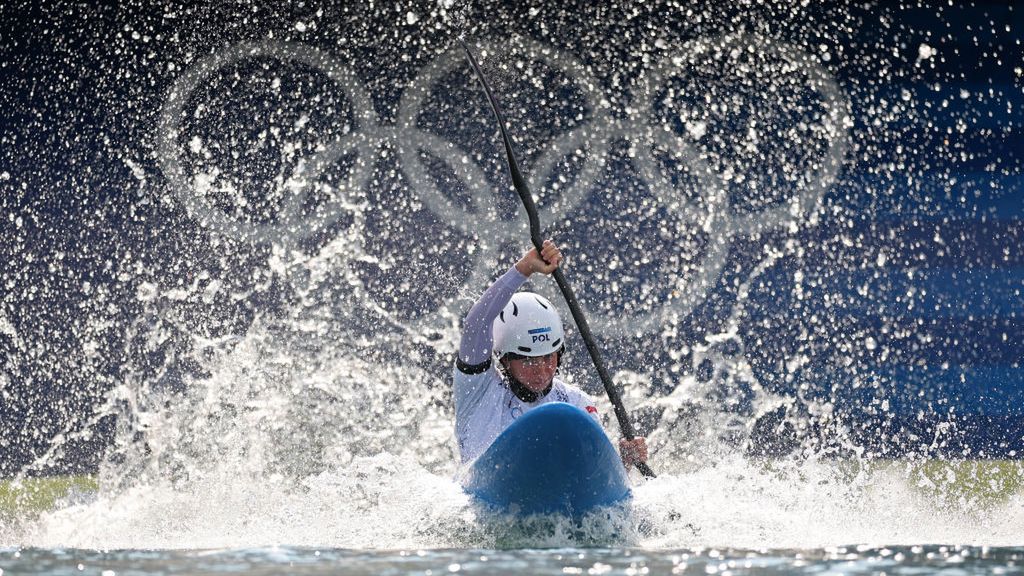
(552, 459)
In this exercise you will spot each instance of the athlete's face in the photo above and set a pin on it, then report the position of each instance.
(535, 373)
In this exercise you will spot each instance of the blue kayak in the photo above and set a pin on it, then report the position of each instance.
(552, 459)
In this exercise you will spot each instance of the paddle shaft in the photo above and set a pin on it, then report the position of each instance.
(519, 182)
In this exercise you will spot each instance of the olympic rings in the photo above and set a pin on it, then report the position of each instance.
(292, 218)
(833, 101)
(707, 211)
(450, 61)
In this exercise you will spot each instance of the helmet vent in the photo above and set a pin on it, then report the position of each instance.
(542, 305)
(515, 309)
(525, 349)
(502, 315)
(556, 343)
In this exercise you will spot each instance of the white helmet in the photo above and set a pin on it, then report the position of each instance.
(529, 325)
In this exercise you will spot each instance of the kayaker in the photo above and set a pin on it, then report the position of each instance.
(524, 332)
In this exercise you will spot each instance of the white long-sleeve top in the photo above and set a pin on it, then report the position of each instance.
(484, 403)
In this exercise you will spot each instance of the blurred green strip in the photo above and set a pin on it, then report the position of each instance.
(39, 494)
(981, 481)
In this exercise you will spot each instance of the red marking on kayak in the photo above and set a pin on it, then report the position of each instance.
(592, 409)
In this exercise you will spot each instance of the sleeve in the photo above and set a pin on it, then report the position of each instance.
(476, 343)
(474, 403)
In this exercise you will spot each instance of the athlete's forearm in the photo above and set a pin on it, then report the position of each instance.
(477, 340)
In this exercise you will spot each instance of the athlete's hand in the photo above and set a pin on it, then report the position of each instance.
(633, 451)
(545, 263)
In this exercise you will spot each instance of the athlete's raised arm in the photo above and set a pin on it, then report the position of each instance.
(477, 339)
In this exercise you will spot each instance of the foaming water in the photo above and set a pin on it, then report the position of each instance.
(813, 505)
(374, 502)
(383, 502)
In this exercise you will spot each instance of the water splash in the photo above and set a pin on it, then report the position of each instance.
(248, 338)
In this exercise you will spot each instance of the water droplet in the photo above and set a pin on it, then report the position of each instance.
(696, 129)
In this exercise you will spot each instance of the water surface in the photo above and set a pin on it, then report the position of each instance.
(958, 560)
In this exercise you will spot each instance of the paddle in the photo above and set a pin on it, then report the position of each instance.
(577, 313)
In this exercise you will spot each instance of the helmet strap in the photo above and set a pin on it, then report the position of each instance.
(524, 393)
(520, 389)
